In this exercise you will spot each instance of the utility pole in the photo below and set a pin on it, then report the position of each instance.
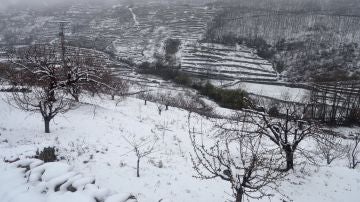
(62, 28)
(62, 39)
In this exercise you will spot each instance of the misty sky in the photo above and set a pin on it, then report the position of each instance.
(7, 3)
(45, 3)
(41, 3)
(4, 4)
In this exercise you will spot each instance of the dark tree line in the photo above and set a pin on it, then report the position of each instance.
(335, 102)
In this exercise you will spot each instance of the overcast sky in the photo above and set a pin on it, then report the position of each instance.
(42, 3)
(31, 3)
(7, 3)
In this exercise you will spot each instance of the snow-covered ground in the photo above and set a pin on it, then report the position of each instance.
(276, 90)
(92, 140)
(52, 180)
(273, 91)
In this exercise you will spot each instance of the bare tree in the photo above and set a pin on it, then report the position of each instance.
(146, 96)
(119, 88)
(167, 100)
(162, 101)
(330, 146)
(85, 71)
(41, 69)
(287, 133)
(115, 85)
(5, 72)
(40, 72)
(160, 107)
(44, 100)
(192, 103)
(354, 151)
(243, 161)
(142, 147)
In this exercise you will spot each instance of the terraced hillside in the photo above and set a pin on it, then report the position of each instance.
(135, 33)
(152, 25)
(226, 62)
(130, 30)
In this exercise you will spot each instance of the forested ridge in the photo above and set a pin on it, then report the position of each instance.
(306, 40)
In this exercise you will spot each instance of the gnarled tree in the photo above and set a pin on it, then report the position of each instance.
(286, 133)
(240, 159)
(42, 70)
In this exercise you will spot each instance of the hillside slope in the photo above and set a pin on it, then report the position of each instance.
(92, 140)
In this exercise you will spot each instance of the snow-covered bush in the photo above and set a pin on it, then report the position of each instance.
(48, 154)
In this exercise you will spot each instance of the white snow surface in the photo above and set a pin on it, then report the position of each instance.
(15, 187)
(273, 91)
(91, 143)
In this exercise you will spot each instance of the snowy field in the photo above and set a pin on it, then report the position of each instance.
(93, 142)
(273, 91)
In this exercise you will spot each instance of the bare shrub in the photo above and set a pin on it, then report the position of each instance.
(329, 146)
(353, 152)
(142, 147)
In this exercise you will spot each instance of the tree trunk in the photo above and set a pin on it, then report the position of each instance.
(328, 158)
(239, 194)
(47, 125)
(138, 168)
(145, 102)
(289, 159)
(75, 93)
